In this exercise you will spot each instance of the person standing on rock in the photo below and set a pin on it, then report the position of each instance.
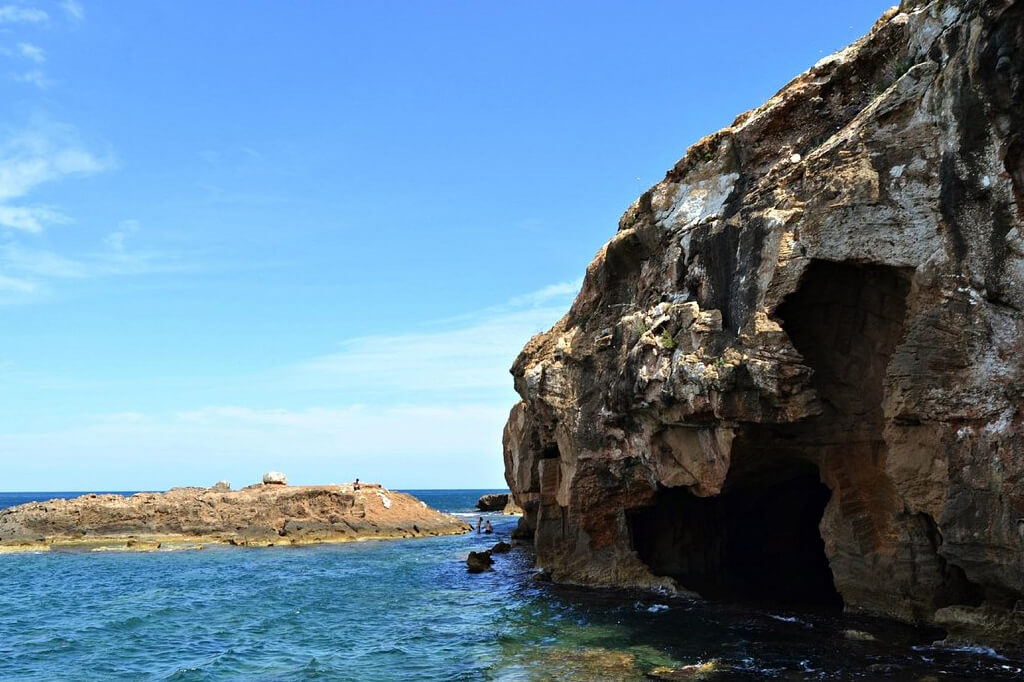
(355, 486)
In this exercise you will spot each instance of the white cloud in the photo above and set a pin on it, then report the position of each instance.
(42, 154)
(401, 446)
(13, 284)
(34, 77)
(31, 52)
(30, 218)
(73, 9)
(40, 263)
(419, 409)
(116, 239)
(27, 15)
(473, 352)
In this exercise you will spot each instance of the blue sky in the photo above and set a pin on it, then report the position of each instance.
(249, 235)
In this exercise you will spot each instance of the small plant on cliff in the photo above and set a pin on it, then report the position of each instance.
(639, 327)
(667, 341)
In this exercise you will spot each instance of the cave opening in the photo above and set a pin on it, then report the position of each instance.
(759, 539)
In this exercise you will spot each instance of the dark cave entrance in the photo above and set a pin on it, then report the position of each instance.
(759, 539)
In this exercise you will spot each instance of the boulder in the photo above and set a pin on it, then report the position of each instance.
(275, 478)
(501, 548)
(221, 486)
(492, 502)
(478, 562)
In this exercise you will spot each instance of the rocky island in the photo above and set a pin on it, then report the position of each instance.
(264, 514)
(795, 372)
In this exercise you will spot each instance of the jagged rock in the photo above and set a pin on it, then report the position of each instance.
(502, 502)
(796, 370)
(275, 478)
(255, 516)
(478, 562)
(501, 548)
(492, 502)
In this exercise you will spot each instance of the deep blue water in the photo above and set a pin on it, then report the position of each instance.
(407, 610)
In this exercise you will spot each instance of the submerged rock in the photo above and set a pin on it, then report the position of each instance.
(695, 671)
(795, 372)
(255, 516)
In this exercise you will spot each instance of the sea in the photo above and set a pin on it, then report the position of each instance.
(409, 610)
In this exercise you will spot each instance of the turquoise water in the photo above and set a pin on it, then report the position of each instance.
(407, 610)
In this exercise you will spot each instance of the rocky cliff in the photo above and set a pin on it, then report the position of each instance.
(795, 372)
(258, 515)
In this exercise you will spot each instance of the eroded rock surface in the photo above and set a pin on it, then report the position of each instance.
(259, 515)
(501, 502)
(795, 372)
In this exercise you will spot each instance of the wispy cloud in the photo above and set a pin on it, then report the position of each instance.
(470, 353)
(48, 265)
(26, 15)
(396, 403)
(13, 284)
(116, 239)
(320, 445)
(74, 10)
(31, 52)
(34, 77)
(41, 154)
(30, 218)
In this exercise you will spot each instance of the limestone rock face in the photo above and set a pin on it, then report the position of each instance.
(257, 515)
(795, 372)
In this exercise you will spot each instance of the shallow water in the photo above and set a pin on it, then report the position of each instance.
(407, 609)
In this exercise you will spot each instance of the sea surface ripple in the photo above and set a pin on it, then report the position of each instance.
(408, 610)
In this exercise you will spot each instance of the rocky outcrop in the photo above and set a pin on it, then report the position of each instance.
(275, 478)
(500, 502)
(478, 562)
(492, 502)
(259, 515)
(795, 371)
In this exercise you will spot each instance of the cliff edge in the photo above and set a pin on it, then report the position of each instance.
(795, 372)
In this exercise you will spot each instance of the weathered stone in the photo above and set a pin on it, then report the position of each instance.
(275, 478)
(795, 372)
(492, 502)
(221, 486)
(501, 548)
(478, 562)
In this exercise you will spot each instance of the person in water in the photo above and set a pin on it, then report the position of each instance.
(487, 527)
(479, 524)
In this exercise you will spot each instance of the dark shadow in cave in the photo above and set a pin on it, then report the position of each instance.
(759, 539)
